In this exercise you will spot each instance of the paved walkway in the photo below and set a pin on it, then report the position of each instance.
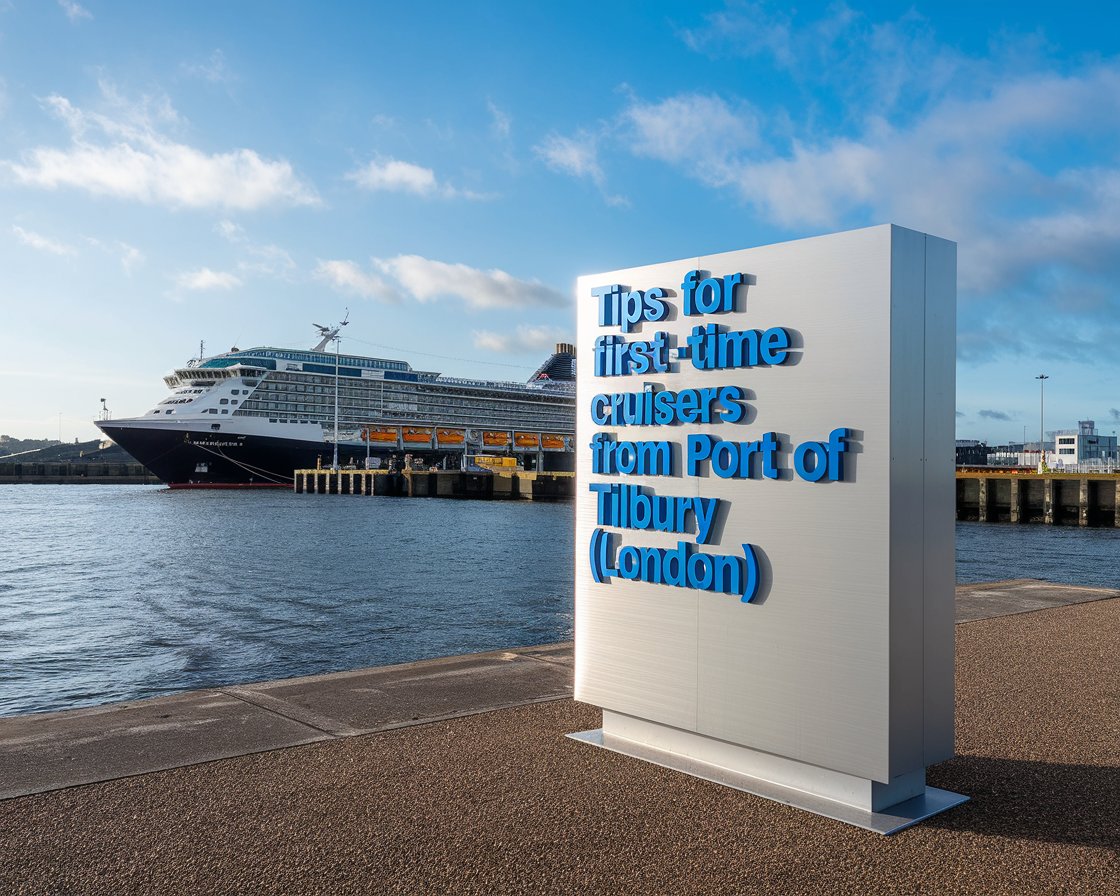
(48, 751)
(503, 802)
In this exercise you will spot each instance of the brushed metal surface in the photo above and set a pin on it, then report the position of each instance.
(833, 664)
(939, 571)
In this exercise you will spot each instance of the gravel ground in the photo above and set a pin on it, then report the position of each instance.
(504, 803)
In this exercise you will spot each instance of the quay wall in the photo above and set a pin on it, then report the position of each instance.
(1056, 499)
(67, 473)
(498, 486)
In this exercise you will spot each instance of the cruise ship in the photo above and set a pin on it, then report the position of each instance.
(251, 417)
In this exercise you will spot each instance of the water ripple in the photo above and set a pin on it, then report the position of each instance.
(123, 592)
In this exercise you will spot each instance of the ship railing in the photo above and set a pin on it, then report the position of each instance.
(552, 385)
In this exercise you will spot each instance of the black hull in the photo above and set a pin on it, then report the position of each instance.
(184, 459)
(230, 460)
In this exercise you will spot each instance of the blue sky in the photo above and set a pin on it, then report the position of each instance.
(233, 172)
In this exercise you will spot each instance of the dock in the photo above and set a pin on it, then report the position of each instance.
(64, 473)
(494, 486)
(1056, 499)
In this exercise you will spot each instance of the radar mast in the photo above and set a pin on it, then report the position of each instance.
(329, 333)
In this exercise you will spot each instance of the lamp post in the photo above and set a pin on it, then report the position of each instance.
(1042, 378)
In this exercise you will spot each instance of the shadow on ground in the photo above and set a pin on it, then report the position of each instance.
(1031, 800)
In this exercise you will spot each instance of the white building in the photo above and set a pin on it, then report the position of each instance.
(1083, 446)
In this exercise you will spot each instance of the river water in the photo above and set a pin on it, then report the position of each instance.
(121, 592)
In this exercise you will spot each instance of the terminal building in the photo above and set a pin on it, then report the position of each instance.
(1078, 449)
(1083, 446)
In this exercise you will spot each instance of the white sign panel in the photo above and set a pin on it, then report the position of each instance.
(764, 526)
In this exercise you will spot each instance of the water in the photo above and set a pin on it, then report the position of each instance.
(120, 592)
(1066, 554)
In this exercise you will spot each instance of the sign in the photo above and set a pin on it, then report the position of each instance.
(764, 520)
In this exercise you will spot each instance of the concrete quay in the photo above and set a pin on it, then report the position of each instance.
(1072, 499)
(454, 775)
(68, 473)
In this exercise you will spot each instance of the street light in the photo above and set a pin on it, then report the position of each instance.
(1042, 378)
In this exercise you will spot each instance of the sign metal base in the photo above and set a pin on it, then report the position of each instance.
(886, 821)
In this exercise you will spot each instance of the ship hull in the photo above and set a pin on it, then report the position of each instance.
(190, 459)
(184, 457)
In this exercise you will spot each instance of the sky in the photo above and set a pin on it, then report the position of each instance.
(232, 173)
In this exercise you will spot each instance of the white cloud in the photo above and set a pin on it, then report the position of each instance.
(124, 155)
(973, 168)
(693, 127)
(74, 11)
(131, 257)
(525, 338)
(213, 69)
(1008, 154)
(428, 280)
(577, 156)
(42, 243)
(206, 279)
(349, 277)
(258, 258)
(235, 233)
(500, 120)
(877, 66)
(748, 30)
(394, 175)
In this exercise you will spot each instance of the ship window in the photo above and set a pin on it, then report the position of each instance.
(215, 426)
(234, 401)
(271, 419)
(168, 412)
(225, 411)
